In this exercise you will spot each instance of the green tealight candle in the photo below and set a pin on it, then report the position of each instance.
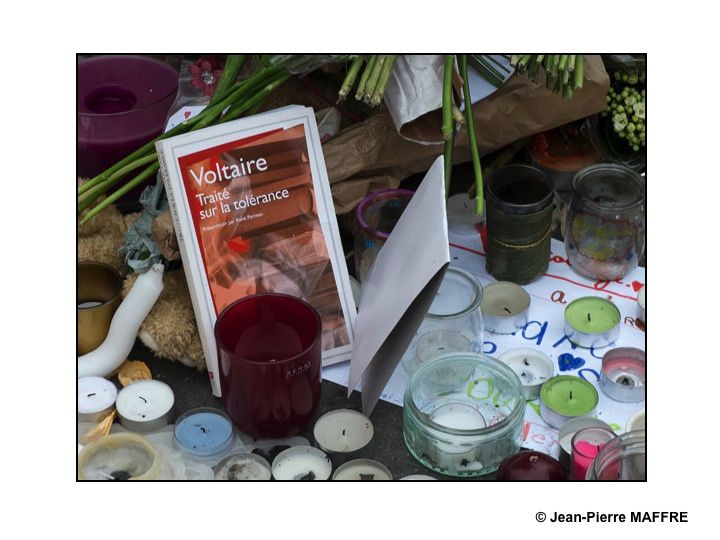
(565, 397)
(592, 322)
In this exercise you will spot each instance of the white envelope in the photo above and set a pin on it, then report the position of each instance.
(400, 288)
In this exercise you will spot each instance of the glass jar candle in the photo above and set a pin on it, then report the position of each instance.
(586, 444)
(519, 222)
(463, 414)
(454, 322)
(377, 215)
(623, 458)
(605, 224)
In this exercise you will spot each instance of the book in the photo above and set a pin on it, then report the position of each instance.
(253, 212)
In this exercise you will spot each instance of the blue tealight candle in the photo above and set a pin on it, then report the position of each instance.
(204, 432)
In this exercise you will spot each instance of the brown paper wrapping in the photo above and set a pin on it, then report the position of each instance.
(371, 155)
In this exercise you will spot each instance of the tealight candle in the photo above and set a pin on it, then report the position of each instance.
(568, 431)
(343, 432)
(243, 467)
(564, 397)
(418, 477)
(204, 433)
(362, 469)
(96, 398)
(505, 307)
(301, 463)
(530, 465)
(641, 314)
(145, 405)
(586, 444)
(591, 321)
(636, 422)
(458, 416)
(120, 456)
(623, 374)
(532, 366)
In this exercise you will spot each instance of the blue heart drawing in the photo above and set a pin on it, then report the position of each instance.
(567, 361)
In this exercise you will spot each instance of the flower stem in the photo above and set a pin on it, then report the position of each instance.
(360, 92)
(448, 129)
(373, 79)
(387, 68)
(139, 179)
(256, 99)
(233, 64)
(472, 137)
(350, 77)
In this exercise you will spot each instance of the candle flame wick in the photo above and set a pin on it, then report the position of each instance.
(145, 400)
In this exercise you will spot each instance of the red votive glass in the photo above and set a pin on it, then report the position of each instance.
(529, 465)
(122, 103)
(586, 444)
(269, 350)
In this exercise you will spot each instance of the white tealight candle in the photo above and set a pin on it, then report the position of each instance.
(145, 405)
(243, 467)
(96, 398)
(301, 463)
(461, 215)
(505, 307)
(343, 431)
(362, 469)
(450, 455)
(531, 366)
(458, 416)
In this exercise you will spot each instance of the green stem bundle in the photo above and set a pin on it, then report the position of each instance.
(563, 72)
(373, 80)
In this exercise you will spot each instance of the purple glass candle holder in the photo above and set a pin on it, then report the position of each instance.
(269, 347)
(122, 103)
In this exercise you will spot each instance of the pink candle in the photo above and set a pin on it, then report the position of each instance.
(586, 444)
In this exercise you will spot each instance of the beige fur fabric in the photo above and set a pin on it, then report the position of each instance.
(170, 329)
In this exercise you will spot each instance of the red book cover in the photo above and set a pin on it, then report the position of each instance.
(252, 207)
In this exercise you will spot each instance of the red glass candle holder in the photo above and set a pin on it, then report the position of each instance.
(586, 444)
(269, 349)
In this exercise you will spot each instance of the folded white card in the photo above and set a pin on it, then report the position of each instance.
(400, 288)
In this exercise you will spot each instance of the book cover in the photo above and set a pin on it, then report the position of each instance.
(253, 213)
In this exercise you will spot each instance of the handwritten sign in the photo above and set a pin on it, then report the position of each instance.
(545, 331)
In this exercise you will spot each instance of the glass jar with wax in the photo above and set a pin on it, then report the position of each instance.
(463, 414)
(377, 215)
(564, 397)
(623, 458)
(605, 224)
(586, 444)
(592, 321)
(454, 322)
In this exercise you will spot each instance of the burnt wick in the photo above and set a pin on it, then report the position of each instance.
(526, 362)
(506, 309)
(589, 320)
(369, 476)
(145, 400)
(343, 433)
(570, 394)
(91, 395)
